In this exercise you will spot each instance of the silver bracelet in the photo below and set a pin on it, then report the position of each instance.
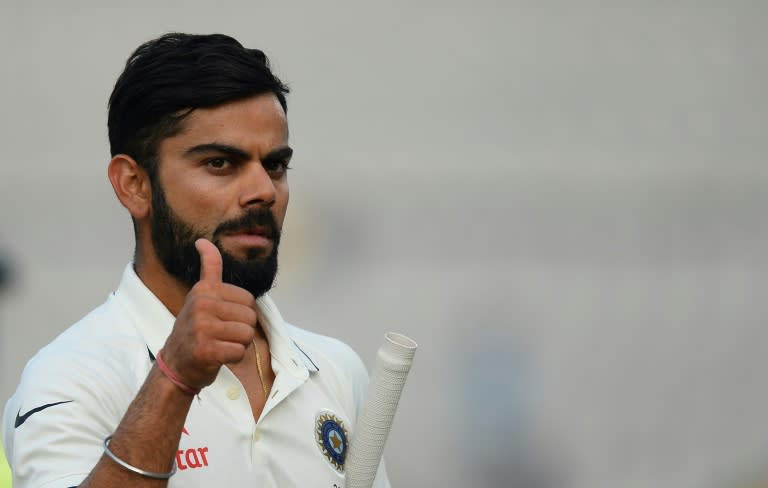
(148, 474)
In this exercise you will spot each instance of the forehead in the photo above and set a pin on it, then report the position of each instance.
(257, 125)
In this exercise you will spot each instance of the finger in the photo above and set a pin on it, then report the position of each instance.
(233, 293)
(210, 260)
(234, 312)
(237, 332)
(226, 352)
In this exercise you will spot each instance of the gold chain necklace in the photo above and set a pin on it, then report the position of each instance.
(261, 374)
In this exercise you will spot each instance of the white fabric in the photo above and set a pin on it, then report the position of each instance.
(99, 364)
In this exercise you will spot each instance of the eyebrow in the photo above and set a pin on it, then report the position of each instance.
(280, 154)
(217, 148)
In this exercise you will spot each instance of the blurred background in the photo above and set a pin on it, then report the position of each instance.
(562, 202)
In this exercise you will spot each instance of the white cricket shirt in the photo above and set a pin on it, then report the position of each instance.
(74, 392)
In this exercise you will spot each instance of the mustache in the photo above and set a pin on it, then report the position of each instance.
(256, 217)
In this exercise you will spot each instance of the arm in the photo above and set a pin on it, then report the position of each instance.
(214, 327)
(147, 437)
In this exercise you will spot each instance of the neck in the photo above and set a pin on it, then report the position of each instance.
(167, 288)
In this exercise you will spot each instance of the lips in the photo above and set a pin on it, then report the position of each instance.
(259, 230)
(255, 229)
(256, 236)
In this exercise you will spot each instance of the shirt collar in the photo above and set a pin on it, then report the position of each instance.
(154, 322)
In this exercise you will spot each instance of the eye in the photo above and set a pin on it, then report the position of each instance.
(218, 163)
(276, 168)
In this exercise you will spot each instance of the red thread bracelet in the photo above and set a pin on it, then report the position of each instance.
(172, 376)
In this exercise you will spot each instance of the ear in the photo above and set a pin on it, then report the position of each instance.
(131, 184)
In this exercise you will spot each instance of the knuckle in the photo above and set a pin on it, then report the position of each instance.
(250, 334)
(251, 317)
(244, 334)
(201, 287)
(205, 305)
(238, 352)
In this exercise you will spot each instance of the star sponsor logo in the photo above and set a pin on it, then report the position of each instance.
(332, 438)
(193, 458)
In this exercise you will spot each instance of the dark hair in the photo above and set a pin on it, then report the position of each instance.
(165, 79)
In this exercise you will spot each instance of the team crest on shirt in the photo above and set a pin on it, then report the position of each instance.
(332, 438)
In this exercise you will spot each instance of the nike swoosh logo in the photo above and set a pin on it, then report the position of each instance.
(20, 419)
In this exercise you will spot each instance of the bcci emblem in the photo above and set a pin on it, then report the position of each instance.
(332, 439)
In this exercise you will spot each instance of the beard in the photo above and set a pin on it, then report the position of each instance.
(174, 243)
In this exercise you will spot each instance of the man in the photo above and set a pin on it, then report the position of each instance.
(199, 142)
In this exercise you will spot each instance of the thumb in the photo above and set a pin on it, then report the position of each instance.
(210, 260)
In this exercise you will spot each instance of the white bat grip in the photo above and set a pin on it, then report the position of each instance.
(393, 361)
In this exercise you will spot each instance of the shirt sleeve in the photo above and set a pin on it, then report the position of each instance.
(56, 422)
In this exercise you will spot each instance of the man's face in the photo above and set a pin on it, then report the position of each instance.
(223, 177)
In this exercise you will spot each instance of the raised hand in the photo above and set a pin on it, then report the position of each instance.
(215, 325)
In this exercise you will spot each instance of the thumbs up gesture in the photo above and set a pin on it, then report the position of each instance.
(215, 325)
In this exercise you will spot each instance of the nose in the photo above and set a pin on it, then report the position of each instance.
(257, 187)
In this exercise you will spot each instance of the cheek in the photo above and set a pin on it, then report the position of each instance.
(201, 210)
(281, 203)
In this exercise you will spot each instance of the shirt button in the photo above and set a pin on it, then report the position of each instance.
(233, 393)
(256, 435)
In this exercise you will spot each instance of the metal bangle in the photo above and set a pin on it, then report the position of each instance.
(148, 474)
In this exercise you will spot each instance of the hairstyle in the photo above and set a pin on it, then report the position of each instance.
(165, 79)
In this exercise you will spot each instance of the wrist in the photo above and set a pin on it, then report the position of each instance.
(173, 376)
